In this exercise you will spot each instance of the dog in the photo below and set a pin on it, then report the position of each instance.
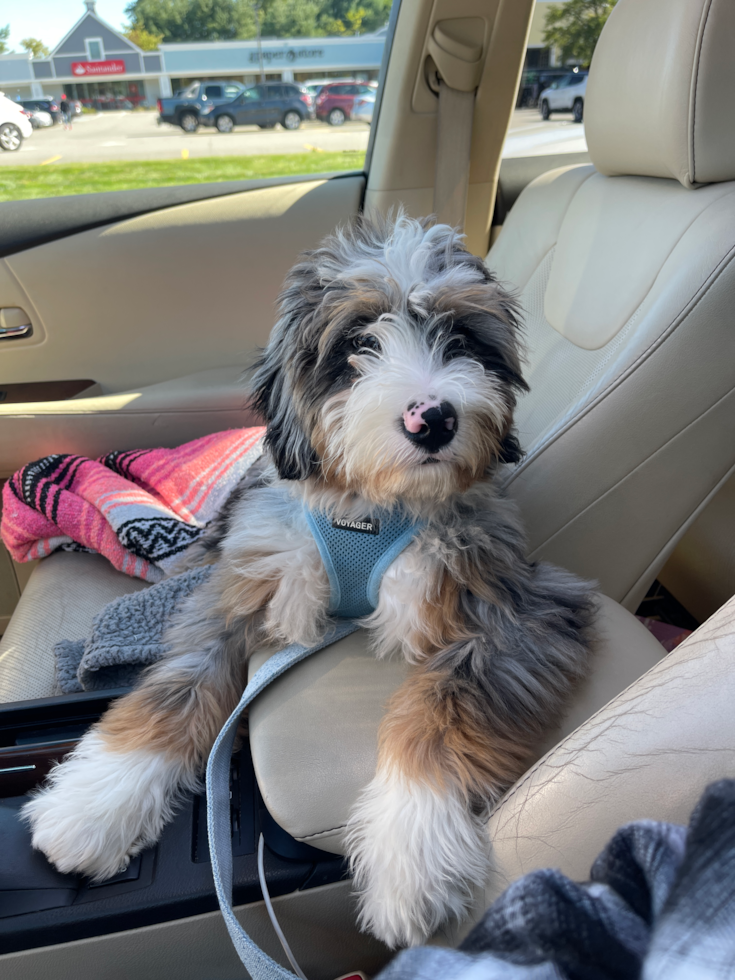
(388, 385)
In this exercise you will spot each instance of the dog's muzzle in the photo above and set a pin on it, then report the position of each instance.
(430, 424)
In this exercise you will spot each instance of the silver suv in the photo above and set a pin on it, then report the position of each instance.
(565, 95)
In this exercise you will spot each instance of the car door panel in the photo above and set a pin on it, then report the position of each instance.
(164, 414)
(168, 293)
(185, 293)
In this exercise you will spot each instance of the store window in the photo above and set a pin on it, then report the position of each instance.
(95, 50)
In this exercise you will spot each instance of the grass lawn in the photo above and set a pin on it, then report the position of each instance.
(87, 178)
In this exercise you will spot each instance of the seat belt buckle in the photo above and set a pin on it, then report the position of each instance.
(358, 975)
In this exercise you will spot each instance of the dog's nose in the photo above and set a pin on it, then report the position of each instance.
(430, 424)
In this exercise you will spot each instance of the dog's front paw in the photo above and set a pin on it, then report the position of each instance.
(99, 808)
(415, 854)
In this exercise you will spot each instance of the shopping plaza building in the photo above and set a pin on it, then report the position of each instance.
(97, 64)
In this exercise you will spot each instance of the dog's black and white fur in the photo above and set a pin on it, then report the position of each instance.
(390, 379)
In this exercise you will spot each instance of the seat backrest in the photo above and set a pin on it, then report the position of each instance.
(624, 272)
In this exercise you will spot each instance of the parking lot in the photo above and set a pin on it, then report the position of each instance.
(530, 136)
(110, 136)
(116, 136)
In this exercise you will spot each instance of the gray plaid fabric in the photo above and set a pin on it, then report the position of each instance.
(660, 905)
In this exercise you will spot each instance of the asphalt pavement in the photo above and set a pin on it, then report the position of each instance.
(110, 136)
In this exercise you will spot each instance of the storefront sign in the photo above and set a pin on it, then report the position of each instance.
(84, 68)
(286, 54)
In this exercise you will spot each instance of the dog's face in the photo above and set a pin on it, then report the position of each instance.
(393, 369)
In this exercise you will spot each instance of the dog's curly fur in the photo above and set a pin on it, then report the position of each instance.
(385, 316)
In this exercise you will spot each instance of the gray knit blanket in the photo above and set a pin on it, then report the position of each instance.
(127, 637)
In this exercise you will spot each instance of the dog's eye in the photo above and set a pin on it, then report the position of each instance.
(455, 347)
(366, 341)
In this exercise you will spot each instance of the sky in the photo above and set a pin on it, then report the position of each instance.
(50, 20)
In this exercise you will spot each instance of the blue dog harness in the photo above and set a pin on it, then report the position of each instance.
(356, 555)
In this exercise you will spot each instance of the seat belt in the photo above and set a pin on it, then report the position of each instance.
(259, 965)
(455, 75)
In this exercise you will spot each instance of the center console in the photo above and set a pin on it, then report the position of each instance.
(172, 880)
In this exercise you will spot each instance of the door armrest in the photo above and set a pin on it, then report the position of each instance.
(165, 414)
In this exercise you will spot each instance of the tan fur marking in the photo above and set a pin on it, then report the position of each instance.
(243, 592)
(443, 623)
(182, 724)
(434, 734)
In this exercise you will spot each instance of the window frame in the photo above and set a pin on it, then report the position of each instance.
(90, 40)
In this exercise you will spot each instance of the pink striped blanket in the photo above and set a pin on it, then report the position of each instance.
(140, 508)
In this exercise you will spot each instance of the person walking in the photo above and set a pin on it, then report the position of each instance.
(67, 111)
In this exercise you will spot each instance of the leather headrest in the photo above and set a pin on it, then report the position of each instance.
(661, 92)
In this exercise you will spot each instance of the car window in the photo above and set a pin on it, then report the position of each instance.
(144, 118)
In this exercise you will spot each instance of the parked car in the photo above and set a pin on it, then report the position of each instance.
(565, 95)
(335, 101)
(315, 86)
(363, 107)
(15, 124)
(40, 119)
(185, 107)
(262, 105)
(44, 105)
(533, 82)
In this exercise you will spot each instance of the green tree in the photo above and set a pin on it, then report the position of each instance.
(193, 20)
(221, 20)
(4, 35)
(37, 48)
(144, 39)
(574, 27)
(290, 18)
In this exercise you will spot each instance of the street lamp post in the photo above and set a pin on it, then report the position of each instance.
(257, 8)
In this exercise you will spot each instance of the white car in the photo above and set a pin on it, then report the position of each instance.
(15, 124)
(363, 108)
(40, 119)
(565, 95)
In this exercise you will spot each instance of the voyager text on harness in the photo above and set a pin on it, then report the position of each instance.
(371, 525)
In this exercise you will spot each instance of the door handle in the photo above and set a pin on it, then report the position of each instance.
(14, 323)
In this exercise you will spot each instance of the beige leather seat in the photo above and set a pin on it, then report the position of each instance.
(625, 271)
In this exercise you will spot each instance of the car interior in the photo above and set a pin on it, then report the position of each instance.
(622, 259)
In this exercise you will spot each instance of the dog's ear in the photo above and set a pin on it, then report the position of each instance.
(272, 397)
(282, 367)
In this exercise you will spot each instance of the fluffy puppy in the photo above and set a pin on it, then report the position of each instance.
(389, 382)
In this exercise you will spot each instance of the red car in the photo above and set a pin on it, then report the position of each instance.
(335, 100)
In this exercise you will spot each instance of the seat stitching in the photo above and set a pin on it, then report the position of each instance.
(680, 317)
(635, 469)
(698, 56)
(321, 833)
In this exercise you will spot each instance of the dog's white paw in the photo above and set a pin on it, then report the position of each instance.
(415, 854)
(99, 808)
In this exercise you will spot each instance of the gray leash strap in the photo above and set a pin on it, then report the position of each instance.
(259, 965)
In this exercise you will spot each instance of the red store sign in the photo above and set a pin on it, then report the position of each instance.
(83, 68)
